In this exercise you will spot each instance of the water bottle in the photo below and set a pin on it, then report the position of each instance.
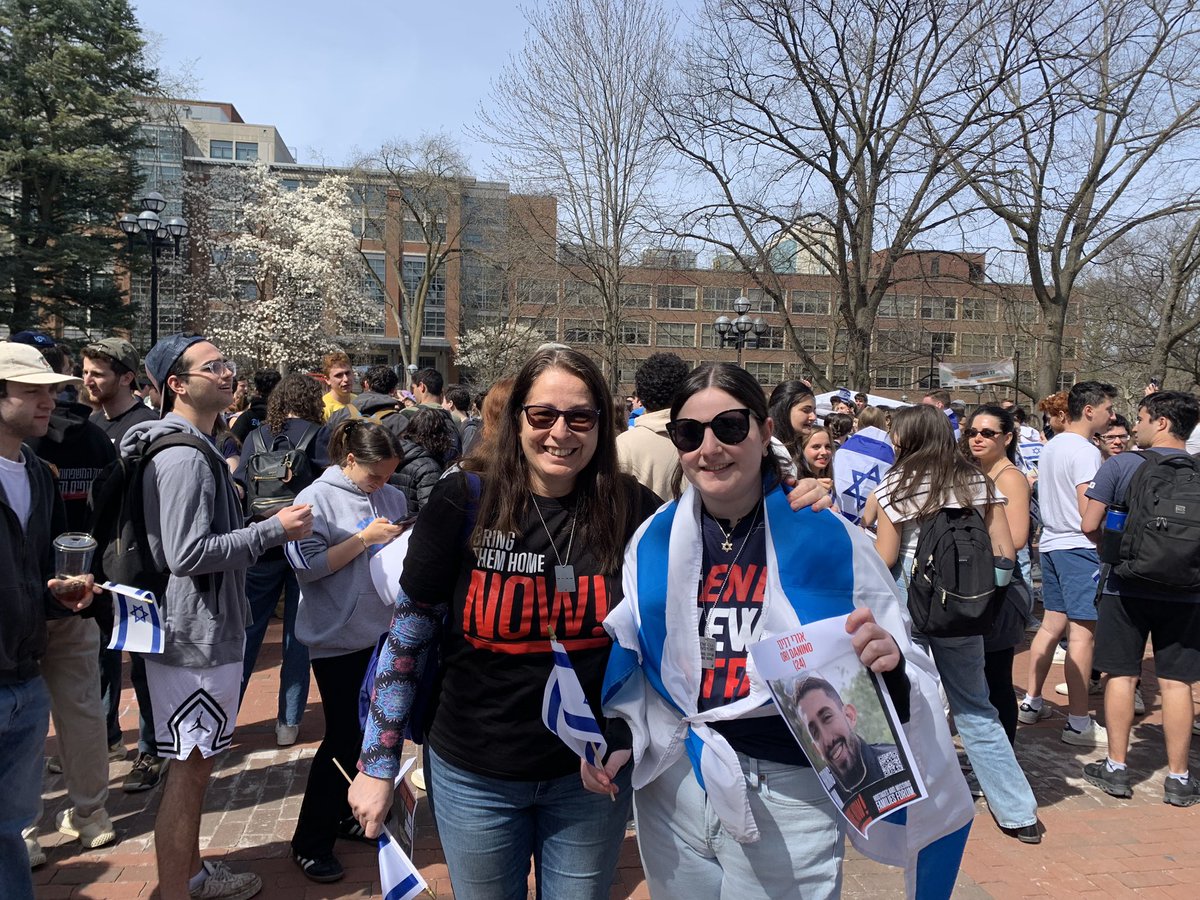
(1114, 530)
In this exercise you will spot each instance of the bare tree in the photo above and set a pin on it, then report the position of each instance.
(570, 116)
(804, 124)
(1097, 140)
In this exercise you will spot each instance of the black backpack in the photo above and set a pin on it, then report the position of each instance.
(1161, 542)
(276, 474)
(952, 587)
(118, 514)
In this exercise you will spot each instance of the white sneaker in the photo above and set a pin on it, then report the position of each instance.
(1095, 686)
(222, 884)
(93, 831)
(1027, 715)
(37, 856)
(286, 735)
(1060, 655)
(1093, 736)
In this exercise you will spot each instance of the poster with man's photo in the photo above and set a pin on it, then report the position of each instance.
(843, 718)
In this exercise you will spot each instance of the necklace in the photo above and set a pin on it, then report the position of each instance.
(564, 572)
(708, 644)
(727, 544)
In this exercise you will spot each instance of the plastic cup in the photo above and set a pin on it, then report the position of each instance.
(73, 553)
(1003, 569)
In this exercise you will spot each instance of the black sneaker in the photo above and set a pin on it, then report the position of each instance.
(1177, 793)
(322, 869)
(1115, 783)
(145, 774)
(350, 829)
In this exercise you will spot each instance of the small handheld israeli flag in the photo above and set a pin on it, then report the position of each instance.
(398, 877)
(858, 467)
(137, 625)
(566, 712)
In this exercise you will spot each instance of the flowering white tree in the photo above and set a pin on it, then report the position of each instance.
(493, 351)
(280, 278)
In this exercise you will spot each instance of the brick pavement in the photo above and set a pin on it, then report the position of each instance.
(1095, 845)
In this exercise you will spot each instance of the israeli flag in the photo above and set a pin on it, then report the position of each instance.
(566, 712)
(858, 467)
(398, 877)
(138, 625)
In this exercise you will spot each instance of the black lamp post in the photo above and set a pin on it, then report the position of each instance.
(158, 234)
(738, 330)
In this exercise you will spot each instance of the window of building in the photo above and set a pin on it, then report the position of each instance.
(580, 331)
(220, 149)
(435, 323)
(814, 340)
(375, 277)
(893, 377)
(539, 291)
(635, 296)
(720, 299)
(760, 300)
(1069, 348)
(978, 309)
(982, 345)
(839, 374)
(765, 373)
(412, 268)
(580, 293)
(674, 334)
(548, 328)
(940, 343)
(676, 296)
(245, 151)
(935, 267)
(810, 303)
(635, 334)
(247, 290)
(771, 339)
(1065, 381)
(433, 232)
(1023, 312)
(898, 306)
(290, 184)
(939, 308)
(709, 338)
(1010, 345)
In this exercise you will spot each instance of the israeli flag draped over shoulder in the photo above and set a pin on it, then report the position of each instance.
(137, 625)
(858, 467)
(654, 673)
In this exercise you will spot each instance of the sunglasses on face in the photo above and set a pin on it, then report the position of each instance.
(729, 427)
(544, 417)
(985, 432)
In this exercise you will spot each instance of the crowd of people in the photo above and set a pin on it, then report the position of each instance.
(655, 537)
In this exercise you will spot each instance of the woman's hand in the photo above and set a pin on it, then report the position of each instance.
(74, 593)
(381, 531)
(370, 800)
(876, 648)
(808, 492)
(600, 781)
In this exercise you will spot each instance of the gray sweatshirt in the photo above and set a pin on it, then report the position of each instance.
(197, 532)
(340, 612)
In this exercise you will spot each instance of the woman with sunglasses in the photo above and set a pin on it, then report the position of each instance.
(929, 474)
(700, 587)
(990, 440)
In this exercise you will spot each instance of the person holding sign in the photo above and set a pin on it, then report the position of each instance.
(727, 803)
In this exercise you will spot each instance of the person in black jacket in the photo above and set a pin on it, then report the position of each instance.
(265, 381)
(428, 444)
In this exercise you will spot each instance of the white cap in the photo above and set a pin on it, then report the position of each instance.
(23, 363)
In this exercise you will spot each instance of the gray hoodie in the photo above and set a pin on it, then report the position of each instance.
(197, 532)
(340, 612)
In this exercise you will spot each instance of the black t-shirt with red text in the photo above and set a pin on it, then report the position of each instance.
(503, 605)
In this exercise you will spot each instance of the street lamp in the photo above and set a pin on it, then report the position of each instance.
(737, 331)
(158, 234)
(412, 370)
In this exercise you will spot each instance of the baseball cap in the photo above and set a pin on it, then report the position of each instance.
(165, 353)
(33, 339)
(119, 349)
(25, 364)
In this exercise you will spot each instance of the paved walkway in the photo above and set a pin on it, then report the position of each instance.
(1094, 845)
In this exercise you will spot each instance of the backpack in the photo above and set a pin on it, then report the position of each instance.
(276, 474)
(118, 514)
(1161, 542)
(952, 587)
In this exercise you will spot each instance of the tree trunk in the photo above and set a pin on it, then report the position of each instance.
(1049, 351)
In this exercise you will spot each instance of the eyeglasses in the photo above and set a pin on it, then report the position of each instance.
(215, 367)
(1114, 437)
(986, 432)
(728, 427)
(544, 417)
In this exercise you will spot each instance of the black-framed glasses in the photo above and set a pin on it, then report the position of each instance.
(728, 427)
(544, 417)
(218, 368)
(986, 432)
(1114, 437)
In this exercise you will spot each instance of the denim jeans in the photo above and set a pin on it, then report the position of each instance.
(264, 581)
(687, 854)
(490, 828)
(24, 723)
(110, 688)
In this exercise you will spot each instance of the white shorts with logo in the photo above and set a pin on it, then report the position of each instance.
(193, 708)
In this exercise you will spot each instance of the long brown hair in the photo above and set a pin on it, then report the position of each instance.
(603, 509)
(927, 457)
(491, 411)
(803, 467)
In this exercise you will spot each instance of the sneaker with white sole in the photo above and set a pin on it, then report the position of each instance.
(224, 884)
(1027, 715)
(37, 856)
(1060, 655)
(1095, 686)
(286, 735)
(92, 831)
(1114, 782)
(1178, 793)
(1093, 736)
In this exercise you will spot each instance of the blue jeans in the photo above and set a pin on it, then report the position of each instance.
(490, 828)
(24, 723)
(264, 580)
(110, 688)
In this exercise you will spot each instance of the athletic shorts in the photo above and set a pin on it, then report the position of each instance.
(1069, 583)
(1125, 624)
(193, 708)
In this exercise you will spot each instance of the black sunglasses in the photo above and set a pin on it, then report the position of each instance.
(728, 427)
(986, 432)
(544, 417)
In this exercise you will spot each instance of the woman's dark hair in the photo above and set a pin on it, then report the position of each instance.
(430, 429)
(785, 396)
(296, 395)
(741, 386)
(927, 458)
(367, 440)
(491, 411)
(603, 507)
(802, 465)
(620, 417)
(840, 426)
(1008, 424)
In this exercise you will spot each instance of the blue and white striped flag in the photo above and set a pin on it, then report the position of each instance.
(137, 625)
(566, 712)
(398, 877)
(858, 467)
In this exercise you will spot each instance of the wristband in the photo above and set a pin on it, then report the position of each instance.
(362, 540)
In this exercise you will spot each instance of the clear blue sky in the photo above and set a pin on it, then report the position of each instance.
(335, 76)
